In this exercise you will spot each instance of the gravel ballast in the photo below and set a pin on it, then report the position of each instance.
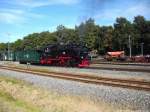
(104, 73)
(139, 100)
(98, 72)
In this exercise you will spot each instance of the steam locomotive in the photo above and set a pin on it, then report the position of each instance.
(73, 55)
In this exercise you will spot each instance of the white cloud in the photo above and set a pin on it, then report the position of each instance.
(10, 18)
(40, 3)
(16, 17)
(22, 11)
(16, 11)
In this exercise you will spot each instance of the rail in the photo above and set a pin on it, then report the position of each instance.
(84, 78)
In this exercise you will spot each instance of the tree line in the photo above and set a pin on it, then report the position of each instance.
(95, 37)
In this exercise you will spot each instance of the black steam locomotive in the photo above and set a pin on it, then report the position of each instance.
(65, 55)
(74, 55)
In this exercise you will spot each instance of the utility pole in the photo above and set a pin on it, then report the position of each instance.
(8, 47)
(8, 51)
(142, 48)
(130, 47)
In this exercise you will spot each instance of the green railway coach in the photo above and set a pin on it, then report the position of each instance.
(28, 56)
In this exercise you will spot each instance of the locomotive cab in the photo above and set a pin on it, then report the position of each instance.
(84, 61)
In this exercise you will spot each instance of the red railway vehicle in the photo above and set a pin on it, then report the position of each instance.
(117, 55)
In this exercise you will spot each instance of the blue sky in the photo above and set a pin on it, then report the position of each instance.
(19, 18)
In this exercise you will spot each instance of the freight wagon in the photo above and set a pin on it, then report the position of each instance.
(116, 55)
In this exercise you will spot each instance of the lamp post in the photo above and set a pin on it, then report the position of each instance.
(8, 47)
(142, 48)
(8, 52)
(130, 47)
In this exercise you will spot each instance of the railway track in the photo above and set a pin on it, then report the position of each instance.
(131, 67)
(119, 69)
(120, 63)
(123, 83)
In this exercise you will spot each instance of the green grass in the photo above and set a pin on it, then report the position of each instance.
(7, 98)
(12, 80)
(16, 104)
